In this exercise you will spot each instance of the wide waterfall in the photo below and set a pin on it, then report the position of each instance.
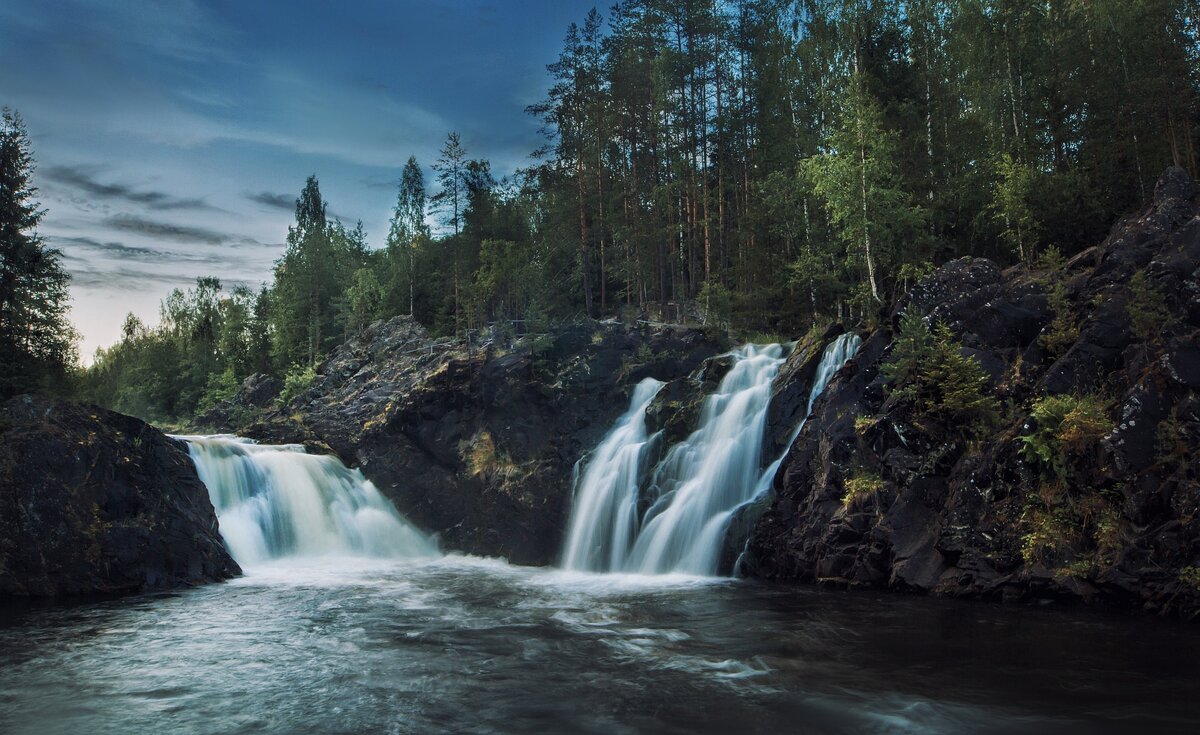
(697, 488)
(277, 501)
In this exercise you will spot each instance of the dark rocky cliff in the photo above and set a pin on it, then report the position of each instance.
(475, 442)
(92, 501)
(948, 512)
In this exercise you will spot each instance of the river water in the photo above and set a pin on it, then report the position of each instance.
(477, 646)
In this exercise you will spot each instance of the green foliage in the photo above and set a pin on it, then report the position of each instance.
(1190, 576)
(783, 164)
(1066, 426)
(1063, 330)
(1012, 204)
(1149, 315)
(928, 370)
(860, 486)
(37, 343)
(221, 386)
(297, 380)
(363, 301)
(206, 343)
(860, 184)
(1051, 260)
(864, 423)
(1048, 532)
(1063, 523)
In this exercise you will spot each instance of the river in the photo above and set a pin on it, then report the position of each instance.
(467, 645)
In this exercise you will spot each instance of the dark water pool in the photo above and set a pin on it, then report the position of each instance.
(462, 645)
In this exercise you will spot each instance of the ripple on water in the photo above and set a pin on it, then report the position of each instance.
(475, 645)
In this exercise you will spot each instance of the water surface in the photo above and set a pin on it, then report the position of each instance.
(466, 645)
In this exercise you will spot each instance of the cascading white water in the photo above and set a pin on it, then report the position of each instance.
(832, 360)
(604, 519)
(701, 483)
(703, 478)
(277, 501)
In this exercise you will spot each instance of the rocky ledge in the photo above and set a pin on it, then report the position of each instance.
(474, 440)
(1077, 478)
(94, 502)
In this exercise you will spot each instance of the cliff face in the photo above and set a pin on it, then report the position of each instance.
(475, 442)
(1035, 506)
(92, 501)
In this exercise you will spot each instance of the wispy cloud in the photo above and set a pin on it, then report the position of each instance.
(83, 178)
(112, 249)
(274, 201)
(166, 230)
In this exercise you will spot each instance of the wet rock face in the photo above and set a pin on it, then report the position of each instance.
(94, 502)
(949, 514)
(477, 442)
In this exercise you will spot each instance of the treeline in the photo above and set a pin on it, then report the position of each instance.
(769, 163)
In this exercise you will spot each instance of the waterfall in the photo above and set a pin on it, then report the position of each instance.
(604, 518)
(698, 487)
(277, 501)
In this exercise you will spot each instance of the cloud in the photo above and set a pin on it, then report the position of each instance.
(114, 249)
(128, 278)
(83, 178)
(165, 230)
(276, 201)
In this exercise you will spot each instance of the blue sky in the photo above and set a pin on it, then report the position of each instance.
(172, 137)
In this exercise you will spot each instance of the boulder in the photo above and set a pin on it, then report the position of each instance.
(94, 502)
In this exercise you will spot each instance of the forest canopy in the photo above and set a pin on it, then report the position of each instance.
(764, 164)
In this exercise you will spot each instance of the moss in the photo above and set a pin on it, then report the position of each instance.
(860, 486)
(864, 423)
(1190, 576)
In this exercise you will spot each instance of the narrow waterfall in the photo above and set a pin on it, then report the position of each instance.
(698, 487)
(832, 360)
(277, 501)
(604, 518)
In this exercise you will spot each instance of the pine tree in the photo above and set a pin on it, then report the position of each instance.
(305, 282)
(451, 172)
(37, 344)
(407, 230)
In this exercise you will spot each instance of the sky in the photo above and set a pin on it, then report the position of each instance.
(173, 137)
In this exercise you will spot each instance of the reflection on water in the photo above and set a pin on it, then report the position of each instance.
(468, 645)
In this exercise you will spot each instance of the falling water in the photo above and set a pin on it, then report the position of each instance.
(698, 487)
(604, 520)
(277, 501)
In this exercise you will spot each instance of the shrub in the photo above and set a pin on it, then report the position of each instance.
(221, 386)
(1049, 532)
(860, 486)
(1066, 427)
(927, 368)
(296, 382)
(1147, 308)
(1063, 330)
(1051, 259)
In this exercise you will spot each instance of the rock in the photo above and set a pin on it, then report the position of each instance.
(94, 502)
(953, 517)
(477, 441)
